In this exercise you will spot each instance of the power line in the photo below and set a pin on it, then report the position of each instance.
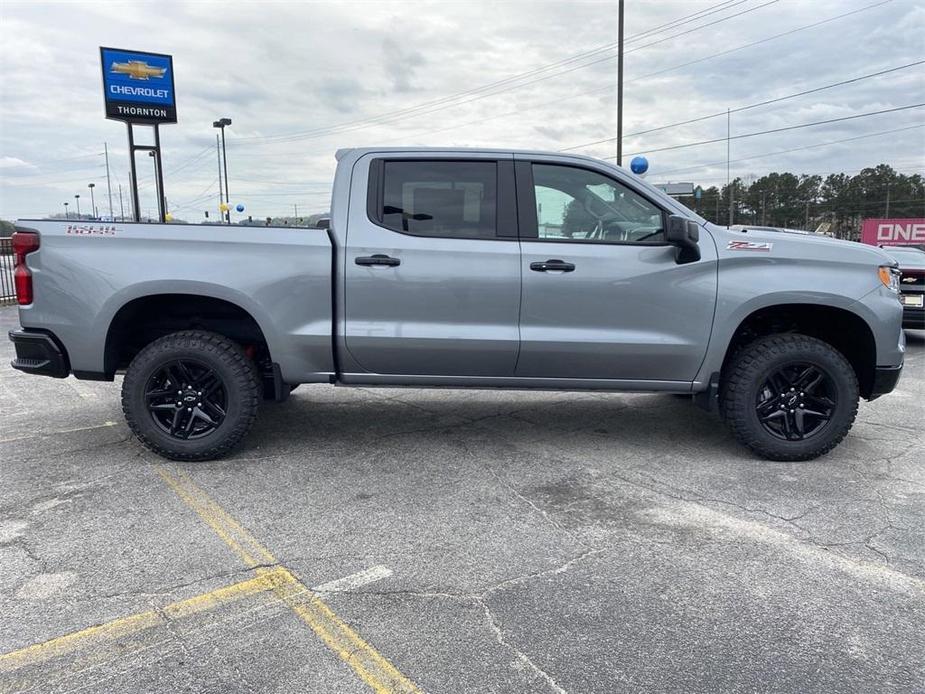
(787, 151)
(321, 132)
(442, 103)
(779, 130)
(529, 73)
(185, 163)
(760, 41)
(739, 109)
(191, 204)
(728, 4)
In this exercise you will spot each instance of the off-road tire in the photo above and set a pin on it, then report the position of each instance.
(747, 371)
(239, 379)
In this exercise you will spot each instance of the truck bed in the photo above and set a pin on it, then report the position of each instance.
(86, 272)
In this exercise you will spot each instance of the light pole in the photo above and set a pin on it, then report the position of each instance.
(67, 215)
(221, 123)
(91, 186)
(77, 198)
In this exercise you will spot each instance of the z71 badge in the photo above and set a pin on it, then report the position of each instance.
(749, 246)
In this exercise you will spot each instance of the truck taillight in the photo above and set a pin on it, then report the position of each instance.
(24, 242)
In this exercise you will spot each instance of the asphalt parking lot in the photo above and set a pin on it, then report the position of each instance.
(458, 541)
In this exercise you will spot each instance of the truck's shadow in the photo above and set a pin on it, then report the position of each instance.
(414, 418)
(348, 420)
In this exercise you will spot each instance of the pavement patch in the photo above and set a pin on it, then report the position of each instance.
(46, 586)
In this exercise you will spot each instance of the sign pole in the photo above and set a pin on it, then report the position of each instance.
(112, 217)
(161, 198)
(133, 176)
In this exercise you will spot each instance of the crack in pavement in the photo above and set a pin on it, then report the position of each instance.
(496, 629)
(549, 519)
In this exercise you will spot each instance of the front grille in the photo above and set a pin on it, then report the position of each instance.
(911, 278)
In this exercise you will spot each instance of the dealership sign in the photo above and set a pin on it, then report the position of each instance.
(893, 232)
(138, 87)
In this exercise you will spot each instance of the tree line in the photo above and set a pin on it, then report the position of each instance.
(800, 201)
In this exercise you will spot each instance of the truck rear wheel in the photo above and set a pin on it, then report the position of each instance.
(191, 395)
(789, 397)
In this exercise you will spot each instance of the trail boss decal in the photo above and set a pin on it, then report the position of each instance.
(763, 246)
(92, 229)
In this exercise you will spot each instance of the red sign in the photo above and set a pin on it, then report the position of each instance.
(893, 232)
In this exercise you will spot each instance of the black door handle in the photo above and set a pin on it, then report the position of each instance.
(552, 264)
(378, 259)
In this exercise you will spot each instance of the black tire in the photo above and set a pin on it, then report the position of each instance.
(749, 402)
(209, 433)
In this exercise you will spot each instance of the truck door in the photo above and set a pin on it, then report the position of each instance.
(603, 295)
(433, 266)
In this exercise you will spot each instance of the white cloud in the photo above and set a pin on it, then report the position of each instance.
(341, 74)
(14, 163)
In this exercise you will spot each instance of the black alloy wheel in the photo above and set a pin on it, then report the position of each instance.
(796, 401)
(191, 395)
(186, 399)
(789, 396)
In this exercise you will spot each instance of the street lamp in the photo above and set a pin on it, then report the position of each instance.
(67, 215)
(221, 123)
(77, 198)
(91, 186)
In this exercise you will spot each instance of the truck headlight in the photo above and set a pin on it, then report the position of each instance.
(890, 278)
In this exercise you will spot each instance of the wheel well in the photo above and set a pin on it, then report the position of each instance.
(143, 320)
(845, 331)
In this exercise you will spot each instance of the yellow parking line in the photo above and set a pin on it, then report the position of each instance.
(126, 626)
(371, 667)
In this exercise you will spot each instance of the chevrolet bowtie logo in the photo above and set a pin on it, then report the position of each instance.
(138, 70)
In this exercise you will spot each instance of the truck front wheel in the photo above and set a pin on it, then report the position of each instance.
(789, 397)
(191, 395)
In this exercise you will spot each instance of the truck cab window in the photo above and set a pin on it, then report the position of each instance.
(452, 199)
(574, 204)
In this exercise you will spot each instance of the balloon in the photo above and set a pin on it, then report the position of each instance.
(639, 165)
(240, 207)
(168, 217)
(223, 207)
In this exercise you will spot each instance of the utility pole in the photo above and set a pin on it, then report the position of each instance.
(728, 162)
(222, 123)
(806, 223)
(887, 212)
(218, 153)
(764, 209)
(136, 213)
(91, 186)
(296, 209)
(108, 182)
(620, 85)
(121, 208)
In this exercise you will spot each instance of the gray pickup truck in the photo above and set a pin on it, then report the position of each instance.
(464, 268)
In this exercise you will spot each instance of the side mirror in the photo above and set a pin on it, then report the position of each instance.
(684, 235)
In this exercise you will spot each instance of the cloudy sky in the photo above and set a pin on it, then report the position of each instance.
(302, 79)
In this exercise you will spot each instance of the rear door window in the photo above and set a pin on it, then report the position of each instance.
(450, 199)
